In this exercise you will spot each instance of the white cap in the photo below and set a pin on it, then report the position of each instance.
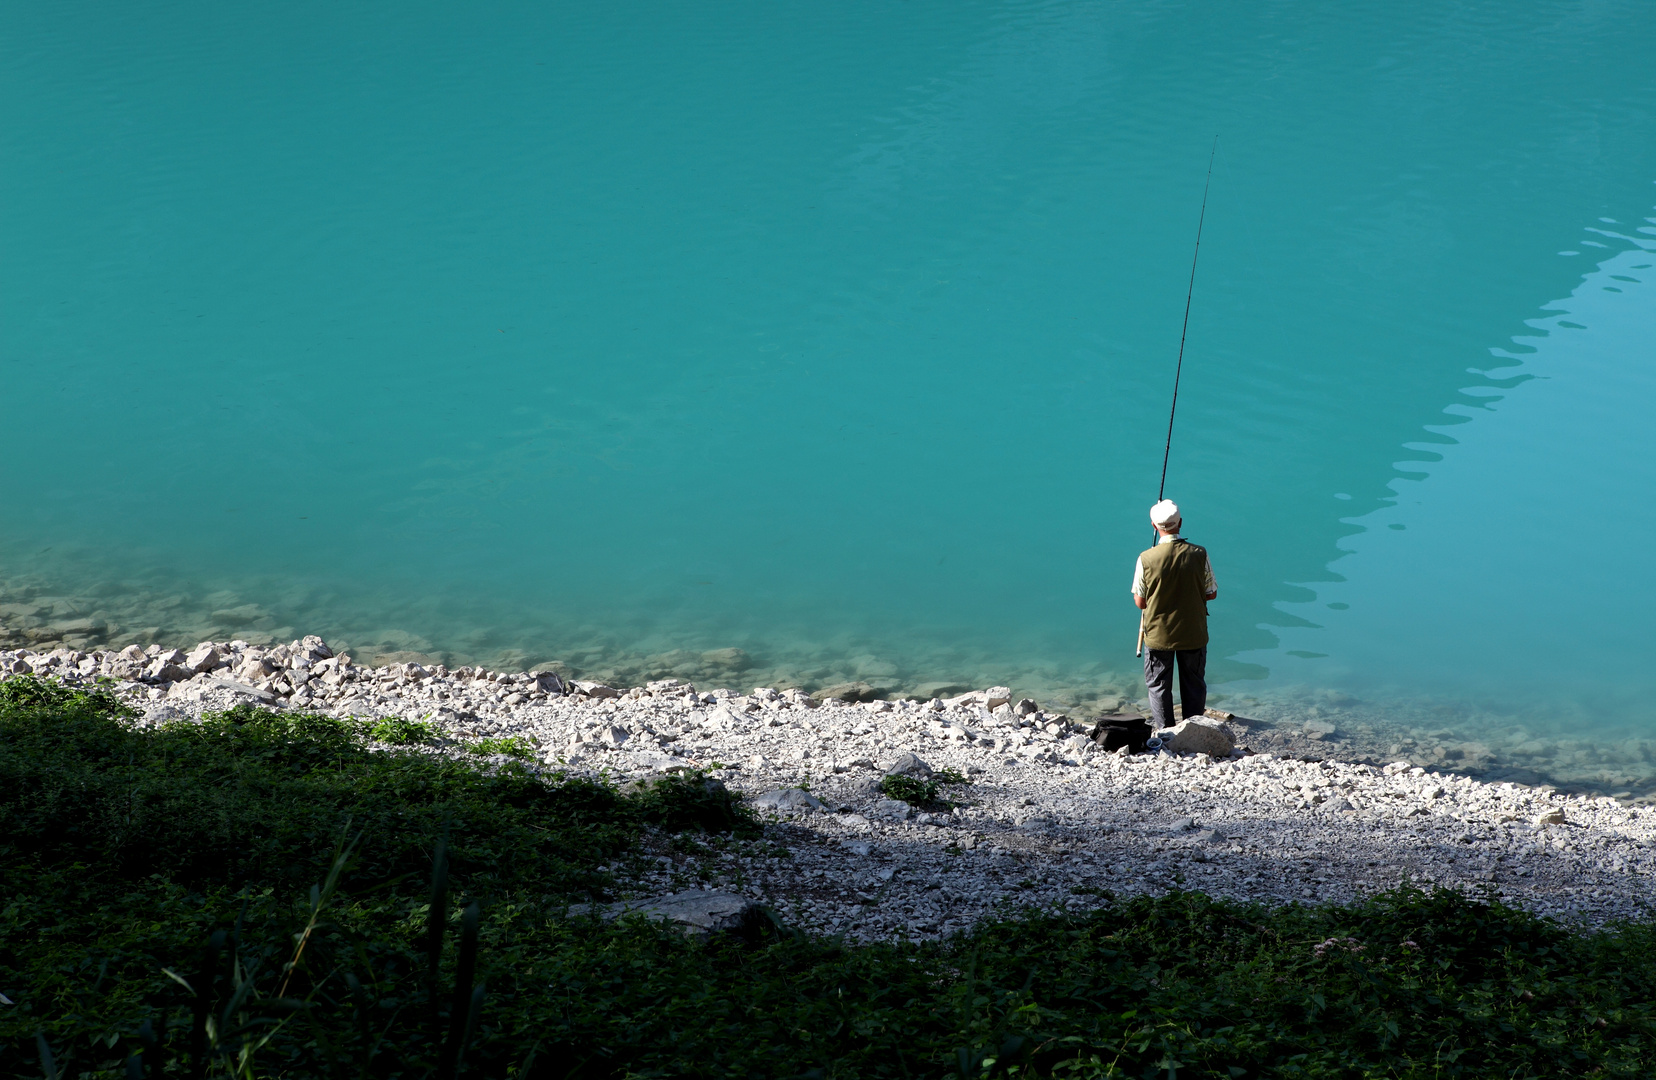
(1164, 512)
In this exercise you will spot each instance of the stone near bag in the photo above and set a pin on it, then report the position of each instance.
(1199, 736)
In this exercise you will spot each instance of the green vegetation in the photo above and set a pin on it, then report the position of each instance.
(272, 895)
(395, 731)
(514, 746)
(922, 793)
(690, 802)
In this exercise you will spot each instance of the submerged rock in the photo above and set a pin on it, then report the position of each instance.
(851, 691)
(730, 659)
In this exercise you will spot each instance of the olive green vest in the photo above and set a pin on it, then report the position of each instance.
(1175, 602)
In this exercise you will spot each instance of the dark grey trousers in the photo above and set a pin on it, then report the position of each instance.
(1158, 679)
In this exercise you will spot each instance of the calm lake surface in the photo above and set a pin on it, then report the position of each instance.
(842, 335)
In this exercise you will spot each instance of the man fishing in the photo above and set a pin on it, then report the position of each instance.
(1172, 584)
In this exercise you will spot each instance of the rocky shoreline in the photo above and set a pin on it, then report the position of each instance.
(1044, 817)
(1564, 743)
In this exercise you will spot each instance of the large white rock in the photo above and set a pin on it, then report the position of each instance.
(696, 911)
(722, 717)
(893, 809)
(664, 763)
(162, 670)
(789, 800)
(909, 765)
(256, 668)
(263, 697)
(1198, 736)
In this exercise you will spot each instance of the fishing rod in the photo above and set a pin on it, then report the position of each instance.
(1167, 451)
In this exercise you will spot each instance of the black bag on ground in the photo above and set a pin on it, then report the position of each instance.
(1114, 732)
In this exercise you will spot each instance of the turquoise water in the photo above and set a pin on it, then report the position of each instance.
(842, 335)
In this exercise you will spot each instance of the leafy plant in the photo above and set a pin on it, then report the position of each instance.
(514, 746)
(691, 801)
(921, 793)
(31, 692)
(396, 731)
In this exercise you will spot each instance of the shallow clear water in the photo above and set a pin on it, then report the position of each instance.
(843, 335)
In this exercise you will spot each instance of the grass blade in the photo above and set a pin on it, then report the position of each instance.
(150, 1055)
(200, 1006)
(437, 916)
(47, 1064)
(464, 997)
(474, 1009)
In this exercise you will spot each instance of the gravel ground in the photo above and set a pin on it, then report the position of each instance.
(1044, 818)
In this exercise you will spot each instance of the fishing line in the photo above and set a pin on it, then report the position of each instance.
(1167, 451)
